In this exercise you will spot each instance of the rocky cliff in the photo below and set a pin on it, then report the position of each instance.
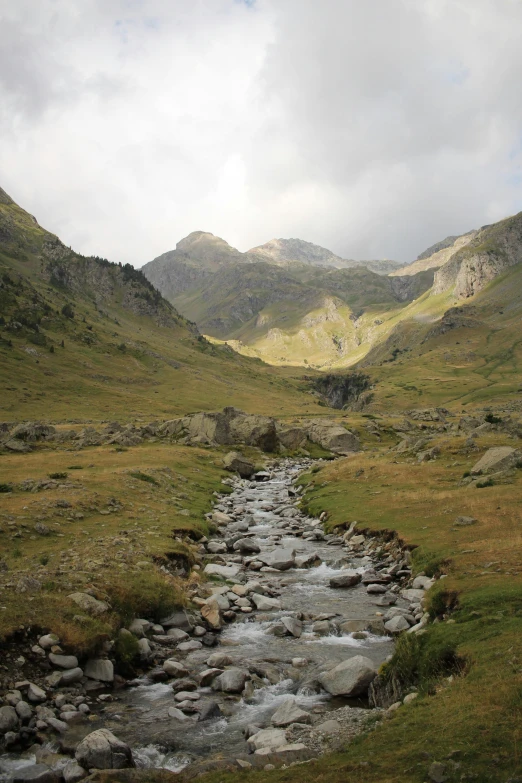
(489, 253)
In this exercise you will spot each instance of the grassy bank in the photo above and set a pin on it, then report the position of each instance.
(108, 521)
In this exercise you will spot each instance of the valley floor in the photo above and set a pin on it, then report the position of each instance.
(112, 516)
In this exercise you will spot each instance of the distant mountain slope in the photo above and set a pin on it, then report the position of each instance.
(298, 314)
(441, 350)
(442, 252)
(82, 337)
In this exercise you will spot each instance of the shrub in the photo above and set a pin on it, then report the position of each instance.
(147, 594)
(44, 559)
(6, 487)
(144, 477)
(67, 311)
(60, 475)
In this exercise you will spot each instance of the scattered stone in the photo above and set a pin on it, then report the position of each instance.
(89, 604)
(9, 720)
(64, 661)
(99, 669)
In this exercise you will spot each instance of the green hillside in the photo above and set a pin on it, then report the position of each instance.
(83, 338)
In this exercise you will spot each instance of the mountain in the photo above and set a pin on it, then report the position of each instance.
(292, 251)
(81, 330)
(196, 258)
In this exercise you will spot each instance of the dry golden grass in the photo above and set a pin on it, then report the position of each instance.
(127, 524)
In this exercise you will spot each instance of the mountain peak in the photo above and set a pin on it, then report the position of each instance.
(278, 251)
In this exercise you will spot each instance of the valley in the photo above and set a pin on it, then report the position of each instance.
(192, 540)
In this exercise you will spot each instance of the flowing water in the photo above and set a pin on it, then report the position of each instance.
(139, 715)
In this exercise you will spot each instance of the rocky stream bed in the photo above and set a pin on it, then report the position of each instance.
(272, 667)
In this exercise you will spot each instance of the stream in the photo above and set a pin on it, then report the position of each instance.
(264, 512)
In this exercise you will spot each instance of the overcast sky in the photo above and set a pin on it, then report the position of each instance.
(372, 127)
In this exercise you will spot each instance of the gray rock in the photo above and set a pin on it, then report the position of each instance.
(293, 626)
(227, 572)
(189, 646)
(58, 725)
(333, 437)
(36, 773)
(89, 604)
(35, 694)
(422, 583)
(246, 545)
(465, 521)
(348, 578)
(219, 660)
(267, 738)
(264, 603)
(231, 681)
(102, 750)
(64, 661)
(144, 649)
(73, 773)
(397, 624)
(281, 559)
(217, 547)
(177, 714)
(349, 678)
(328, 727)
(70, 676)
(48, 640)
(177, 635)
(179, 620)
(24, 711)
(9, 720)
(235, 462)
(208, 676)
(140, 627)
(289, 712)
(496, 459)
(376, 589)
(175, 668)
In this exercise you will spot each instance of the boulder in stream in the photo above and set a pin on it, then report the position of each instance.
(349, 678)
(102, 750)
(289, 712)
(235, 462)
(281, 559)
(348, 578)
(231, 681)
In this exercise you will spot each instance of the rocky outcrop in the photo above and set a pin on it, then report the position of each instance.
(490, 253)
(333, 437)
(225, 428)
(495, 459)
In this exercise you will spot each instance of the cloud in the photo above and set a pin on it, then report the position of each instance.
(372, 128)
